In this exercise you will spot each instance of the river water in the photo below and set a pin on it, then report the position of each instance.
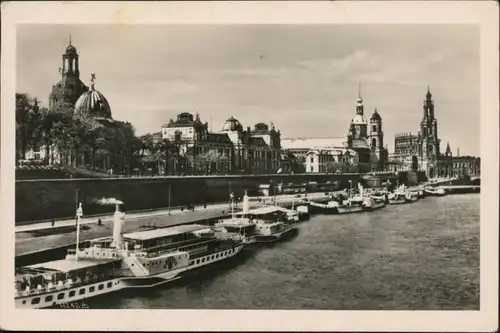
(420, 256)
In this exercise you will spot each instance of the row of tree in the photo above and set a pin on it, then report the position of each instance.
(77, 140)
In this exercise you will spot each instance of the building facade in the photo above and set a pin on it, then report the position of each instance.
(458, 166)
(70, 94)
(332, 160)
(195, 150)
(365, 138)
(232, 150)
(421, 151)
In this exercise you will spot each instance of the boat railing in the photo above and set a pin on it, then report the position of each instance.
(61, 285)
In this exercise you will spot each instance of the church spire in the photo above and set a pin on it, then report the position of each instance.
(69, 39)
(448, 149)
(359, 105)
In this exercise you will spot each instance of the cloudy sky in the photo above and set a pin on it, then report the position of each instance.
(306, 81)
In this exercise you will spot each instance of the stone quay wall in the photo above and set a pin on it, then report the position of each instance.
(56, 198)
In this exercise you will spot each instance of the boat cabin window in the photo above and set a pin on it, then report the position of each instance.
(101, 287)
(49, 298)
(110, 284)
(91, 289)
(71, 293)
(82, 291)
(35, 300)
(60, 296)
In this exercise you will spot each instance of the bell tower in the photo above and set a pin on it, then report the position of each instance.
(66, 92)
(70, 61)
(376, 141)
(429, 137)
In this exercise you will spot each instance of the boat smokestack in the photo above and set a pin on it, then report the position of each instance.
(246, 204)
(118, 220)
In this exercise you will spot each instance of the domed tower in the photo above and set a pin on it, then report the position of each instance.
(70, 87)
(93, 104)
(376, 136)
(359, 121)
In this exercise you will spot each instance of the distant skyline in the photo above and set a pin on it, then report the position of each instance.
(303, 78)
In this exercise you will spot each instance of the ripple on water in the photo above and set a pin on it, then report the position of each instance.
(419, 256)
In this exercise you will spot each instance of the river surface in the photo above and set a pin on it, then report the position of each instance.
(420, 256)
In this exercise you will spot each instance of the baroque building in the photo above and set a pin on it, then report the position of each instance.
(364, 141)
(421, 151)
(70, 93)
(197, 150)
(458, 166)
(233, 149)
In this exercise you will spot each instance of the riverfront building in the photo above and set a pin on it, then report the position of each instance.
(233, 149)
(364, 146)
(421, 151)
(70, 94)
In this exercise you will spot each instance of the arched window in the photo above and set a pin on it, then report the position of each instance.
(374, 143)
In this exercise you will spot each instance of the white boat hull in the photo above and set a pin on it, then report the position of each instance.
(53, 298)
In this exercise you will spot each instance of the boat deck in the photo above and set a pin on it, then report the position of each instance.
(65, 265)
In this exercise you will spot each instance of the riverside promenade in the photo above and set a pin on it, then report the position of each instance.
(43, 236)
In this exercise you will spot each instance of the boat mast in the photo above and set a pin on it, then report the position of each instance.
(79, 214)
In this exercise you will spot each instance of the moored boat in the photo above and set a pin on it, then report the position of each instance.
(435, 191)
(397, 198)
(321, 208)
(133, 260)
(374, 203)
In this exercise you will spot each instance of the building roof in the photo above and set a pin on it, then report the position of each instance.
(93, 103)
(164, 232)
(360, 144)
(310, 143)
(231, 125)
(257, 141)
(332, 151)
(359, 120)
(218, 137)
(66, 265)
(185, 119)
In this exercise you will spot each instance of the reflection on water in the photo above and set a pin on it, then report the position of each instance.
(423, 255)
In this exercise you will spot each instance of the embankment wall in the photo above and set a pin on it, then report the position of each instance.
(56, 198)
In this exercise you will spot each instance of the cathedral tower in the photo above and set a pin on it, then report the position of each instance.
(67, 91)
(429, 137)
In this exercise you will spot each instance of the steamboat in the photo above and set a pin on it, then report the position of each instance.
(264, 224)
(133, 260)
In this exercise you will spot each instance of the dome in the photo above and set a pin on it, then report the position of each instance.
(359, 120)
(376, 116)
(70, 49)
(94, 104)
(261, 127)
(231, 125)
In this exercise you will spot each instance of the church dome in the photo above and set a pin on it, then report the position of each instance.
(359, 120)
(93, 103)
(231, 125)
(70, 49)
(261, 127)
(376, 116)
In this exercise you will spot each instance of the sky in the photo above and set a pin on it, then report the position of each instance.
(302, 78)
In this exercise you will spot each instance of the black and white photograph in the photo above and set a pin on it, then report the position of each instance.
(318, 166)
